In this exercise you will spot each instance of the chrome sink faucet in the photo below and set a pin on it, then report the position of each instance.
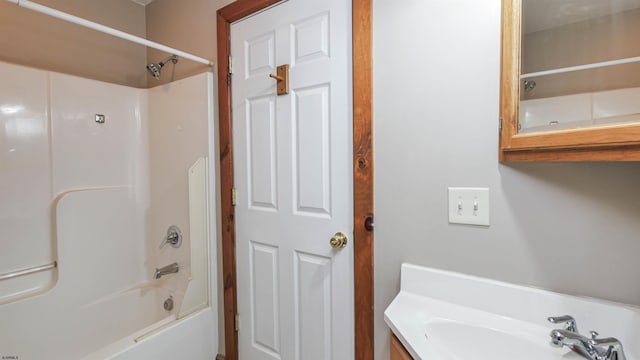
(593, 348)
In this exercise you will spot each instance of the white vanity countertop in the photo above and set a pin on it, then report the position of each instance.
(407, 316)
(435, 311)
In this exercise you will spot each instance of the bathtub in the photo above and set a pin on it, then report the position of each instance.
(70, 335)
(103, 306)
(130, 325)
(190, 338)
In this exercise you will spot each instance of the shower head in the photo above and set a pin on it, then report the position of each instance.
(529, 85)
(154, 69)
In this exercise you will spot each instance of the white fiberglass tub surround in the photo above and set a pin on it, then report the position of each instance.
(621, 106)
(441, 315)
(97, 199)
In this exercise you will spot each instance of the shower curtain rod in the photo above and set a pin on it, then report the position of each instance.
(107, 30)
(581, 67)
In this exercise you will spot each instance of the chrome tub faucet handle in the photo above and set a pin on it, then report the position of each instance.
(173, 237)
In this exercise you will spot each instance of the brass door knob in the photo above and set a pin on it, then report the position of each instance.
(338, 241)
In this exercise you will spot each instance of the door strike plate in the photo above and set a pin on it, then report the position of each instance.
(282, 77)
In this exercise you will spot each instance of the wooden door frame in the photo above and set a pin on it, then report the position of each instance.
(362, 171)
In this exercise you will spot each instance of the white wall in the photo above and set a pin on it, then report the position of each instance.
(566, 227)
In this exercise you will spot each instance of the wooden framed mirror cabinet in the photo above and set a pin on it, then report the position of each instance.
(570, 80)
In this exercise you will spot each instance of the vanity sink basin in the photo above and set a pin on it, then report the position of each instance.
(454, 340)
(441, 315)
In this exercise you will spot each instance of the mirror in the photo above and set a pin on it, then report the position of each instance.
(580, 64)
(570, 80)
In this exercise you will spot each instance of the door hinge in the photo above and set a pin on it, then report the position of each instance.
(230, 64)
(237, 322)
(500, 124)
(233, 197)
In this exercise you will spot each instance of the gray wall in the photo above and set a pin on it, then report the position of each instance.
(571, 228)
(40, 41)
(188, 25)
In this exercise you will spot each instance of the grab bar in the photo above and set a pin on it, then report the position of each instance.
(28, 271)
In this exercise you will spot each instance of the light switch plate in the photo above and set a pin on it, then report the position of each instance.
(469, 206)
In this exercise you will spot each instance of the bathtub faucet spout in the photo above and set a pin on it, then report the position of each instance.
(169, 269)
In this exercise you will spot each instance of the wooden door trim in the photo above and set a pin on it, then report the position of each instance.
(362, 171)
(362, 28)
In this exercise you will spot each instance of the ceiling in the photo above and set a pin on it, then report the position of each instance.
(547, 14)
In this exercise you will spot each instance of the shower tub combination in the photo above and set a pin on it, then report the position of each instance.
(94, 175)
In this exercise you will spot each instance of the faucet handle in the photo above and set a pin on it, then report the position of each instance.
(173, 238)
(594, 334)
(568, 320)
(607, 348)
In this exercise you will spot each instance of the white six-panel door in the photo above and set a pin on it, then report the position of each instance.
(293, 175)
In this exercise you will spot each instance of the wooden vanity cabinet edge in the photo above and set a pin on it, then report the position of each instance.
(398, 351)
(607, 143)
